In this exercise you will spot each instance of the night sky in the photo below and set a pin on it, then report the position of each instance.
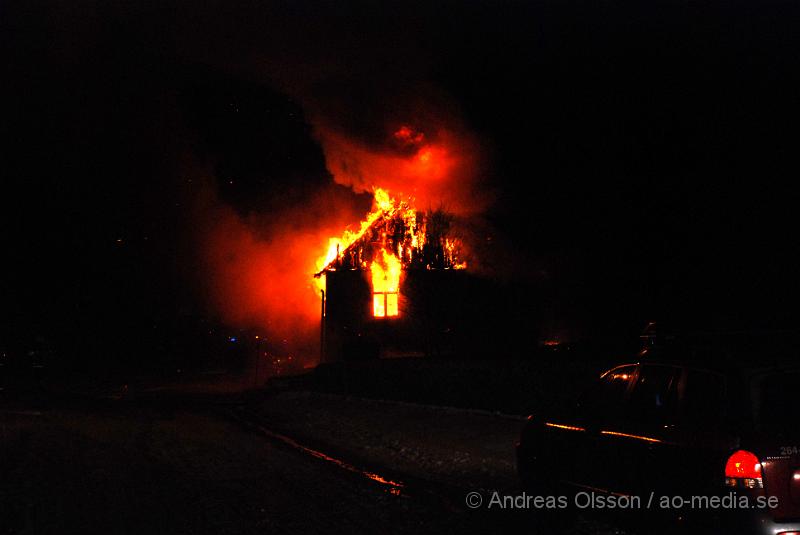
(641, 159)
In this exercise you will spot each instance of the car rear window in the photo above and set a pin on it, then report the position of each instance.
(779, 403)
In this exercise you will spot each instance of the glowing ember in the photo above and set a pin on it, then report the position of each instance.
(408, 137)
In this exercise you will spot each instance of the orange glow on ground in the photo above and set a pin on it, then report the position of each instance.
(562, 426)
(393, 487)
(626, 435)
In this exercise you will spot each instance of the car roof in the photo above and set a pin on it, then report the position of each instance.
(746, 353)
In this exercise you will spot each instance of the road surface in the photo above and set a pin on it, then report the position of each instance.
(147, 470)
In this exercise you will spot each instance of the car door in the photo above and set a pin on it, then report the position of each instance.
(689, 455)
(599, 407)
(638, 437)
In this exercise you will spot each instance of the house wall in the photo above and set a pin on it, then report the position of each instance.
(434, 306)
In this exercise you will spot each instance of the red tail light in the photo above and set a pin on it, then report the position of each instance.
(743, 469)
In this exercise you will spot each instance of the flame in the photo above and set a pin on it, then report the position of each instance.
(385, 284)
(400, 238)
(383, 203)
(387, 266)
(404, 250)
(386, 273)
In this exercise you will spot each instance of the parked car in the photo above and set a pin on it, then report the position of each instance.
(683, 420)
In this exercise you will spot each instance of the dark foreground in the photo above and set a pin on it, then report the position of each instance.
(139, 469)
(149, 471)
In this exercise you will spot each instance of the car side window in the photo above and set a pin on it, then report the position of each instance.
(703, 398)
(778, 403)
(607, 396)
(653, 398)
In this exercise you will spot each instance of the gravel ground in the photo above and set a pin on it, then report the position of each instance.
(146, 471)
(463, 450)
(457, 447)
(131, 468)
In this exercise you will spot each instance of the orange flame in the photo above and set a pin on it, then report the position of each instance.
(386, 268)
(383, 203)
(425, 162)
(385, 285)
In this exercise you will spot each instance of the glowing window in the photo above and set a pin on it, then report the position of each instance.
(384, 304)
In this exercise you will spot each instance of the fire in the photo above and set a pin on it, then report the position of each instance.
(385, 284)
(383, 204)
(386, 267)
(393, 236)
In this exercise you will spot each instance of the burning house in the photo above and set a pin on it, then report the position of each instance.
(390, 287)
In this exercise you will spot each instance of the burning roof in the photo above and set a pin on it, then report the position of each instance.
(393, 237)
(417, 240)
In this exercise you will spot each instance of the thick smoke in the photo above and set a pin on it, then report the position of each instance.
(378, 126)
(260, 267)
(438, 168)
(257, 270)
(363, 78)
